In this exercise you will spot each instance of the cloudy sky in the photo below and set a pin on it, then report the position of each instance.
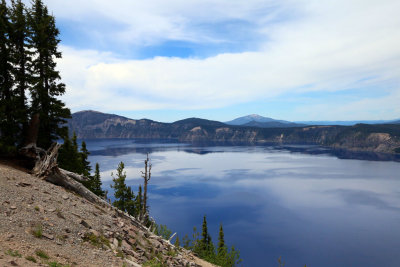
(293, 60)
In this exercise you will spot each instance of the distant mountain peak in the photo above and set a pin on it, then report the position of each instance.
(251, 118)
(254, 116)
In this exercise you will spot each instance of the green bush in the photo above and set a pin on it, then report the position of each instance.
(42, 254)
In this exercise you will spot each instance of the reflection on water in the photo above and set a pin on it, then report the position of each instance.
(304, 203)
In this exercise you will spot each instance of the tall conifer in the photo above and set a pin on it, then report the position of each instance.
(84, 163)
(204, 234)
(222, 249)
(22, 62)
(96, 182)
(124, 196)
(7, 119)
(46, 85)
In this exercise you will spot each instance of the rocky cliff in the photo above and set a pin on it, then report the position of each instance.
(363, 137)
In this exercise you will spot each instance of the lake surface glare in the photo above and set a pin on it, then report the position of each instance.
(308, 206)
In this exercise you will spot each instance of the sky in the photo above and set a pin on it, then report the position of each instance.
(222, 59)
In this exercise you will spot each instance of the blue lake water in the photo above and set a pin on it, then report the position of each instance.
(303, 203)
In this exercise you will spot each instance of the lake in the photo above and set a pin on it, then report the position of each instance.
(307, 204)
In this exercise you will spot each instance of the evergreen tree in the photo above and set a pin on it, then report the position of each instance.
(22, 62)
(7, 120)
(65, 155)
(221, 253)
(139, 201)
(186, 242)
(205, 241)
(119, 187)
(69, 157)
(130, 201)
(96, 182)
(177, 243)
(84, 163)
(124, 196)
(45, 81)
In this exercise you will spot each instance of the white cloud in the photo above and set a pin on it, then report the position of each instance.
(329, 47)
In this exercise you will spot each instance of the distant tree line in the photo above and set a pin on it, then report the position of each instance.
(30, 83)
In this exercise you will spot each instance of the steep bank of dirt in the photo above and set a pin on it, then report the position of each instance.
(39, 219)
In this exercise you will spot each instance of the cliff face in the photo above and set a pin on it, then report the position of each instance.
(376, 138)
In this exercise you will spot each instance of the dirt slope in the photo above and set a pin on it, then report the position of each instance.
(38, 219)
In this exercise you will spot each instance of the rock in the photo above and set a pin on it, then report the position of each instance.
(65, 197)
(13, 207)
(48, 236)
(115, 242)
(134, 264)
(52, 210)
(13, 263)
(131, 241)
(94, 232)
(125, 245)
(23, 184)
(84, 223)
(155, 243)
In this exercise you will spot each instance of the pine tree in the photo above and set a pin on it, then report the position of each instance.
(221, 243)
(124, 196)
(119, 187)
(130, 204)
(46, 86)
(139, 202)
(65, 155)
(177, 243)
(84, 163)
(69, 157)
(96, 182)
(22, 62)
(7, 120)
(204, 234)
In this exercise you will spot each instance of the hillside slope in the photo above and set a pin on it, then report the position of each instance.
(39, 218)
(384, 138)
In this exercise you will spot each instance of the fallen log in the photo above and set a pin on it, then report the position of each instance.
(46, 168)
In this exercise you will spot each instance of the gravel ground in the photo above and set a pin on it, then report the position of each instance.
(39, 219)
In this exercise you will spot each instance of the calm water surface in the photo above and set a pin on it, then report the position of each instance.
(308, 206)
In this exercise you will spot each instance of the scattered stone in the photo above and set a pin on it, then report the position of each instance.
(13, 263)
(84, 223)
(134, 264)
(94, 232)
(9, 237)
(13, 207)
(23, 184)
(115, 242)
(48, 236)
(65, 197)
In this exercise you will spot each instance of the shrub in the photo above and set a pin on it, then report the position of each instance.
(31, 258)
(38, 231)
(13, 253)
(42, 254)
